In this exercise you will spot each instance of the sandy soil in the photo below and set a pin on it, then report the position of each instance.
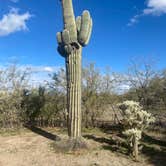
(31, 149)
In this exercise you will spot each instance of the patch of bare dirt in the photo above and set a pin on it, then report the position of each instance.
(32, 149)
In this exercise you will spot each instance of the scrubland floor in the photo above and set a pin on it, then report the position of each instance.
(34, 148)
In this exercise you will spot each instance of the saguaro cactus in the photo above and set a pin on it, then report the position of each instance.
(76, 34)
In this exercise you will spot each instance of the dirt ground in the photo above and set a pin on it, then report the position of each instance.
(29, 148)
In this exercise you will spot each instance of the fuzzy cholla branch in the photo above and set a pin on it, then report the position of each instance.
(131, 132)
(134, 116)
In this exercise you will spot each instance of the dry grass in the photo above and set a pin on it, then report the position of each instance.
(26, 148)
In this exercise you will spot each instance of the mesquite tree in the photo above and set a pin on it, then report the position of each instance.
(76, 34)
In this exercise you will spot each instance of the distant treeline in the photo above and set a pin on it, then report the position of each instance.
(21, 104)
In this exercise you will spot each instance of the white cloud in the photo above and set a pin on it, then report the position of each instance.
(153, 7)
(123, 88)
(48, 69)
(13, 22)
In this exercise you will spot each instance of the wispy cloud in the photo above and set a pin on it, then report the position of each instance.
(13, 22)
(15, 1)
(47, 69)
(153, 8)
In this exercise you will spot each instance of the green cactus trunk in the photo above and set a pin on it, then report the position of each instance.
(76, 34)
(73, 66)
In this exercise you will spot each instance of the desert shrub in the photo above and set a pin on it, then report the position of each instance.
(12, 82)
(9, 108)
(135, 121)
(32, 103)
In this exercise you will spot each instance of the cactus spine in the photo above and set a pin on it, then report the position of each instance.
(76, 34)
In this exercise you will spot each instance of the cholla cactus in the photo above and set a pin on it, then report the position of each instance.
(135, 120)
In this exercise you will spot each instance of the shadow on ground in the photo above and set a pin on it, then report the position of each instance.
(43, 133)
(153, 150)
(99, 139)
(155, 155)
(151, 140)
(111, 129)
(114, 144)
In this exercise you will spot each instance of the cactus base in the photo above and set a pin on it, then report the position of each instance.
(69, 145)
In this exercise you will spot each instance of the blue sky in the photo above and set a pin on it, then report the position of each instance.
(122, 29)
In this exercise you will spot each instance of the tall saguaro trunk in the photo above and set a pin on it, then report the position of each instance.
(73, 66)
(76, 34)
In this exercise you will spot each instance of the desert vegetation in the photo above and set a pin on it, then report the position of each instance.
(111, 119)
(83, 115)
